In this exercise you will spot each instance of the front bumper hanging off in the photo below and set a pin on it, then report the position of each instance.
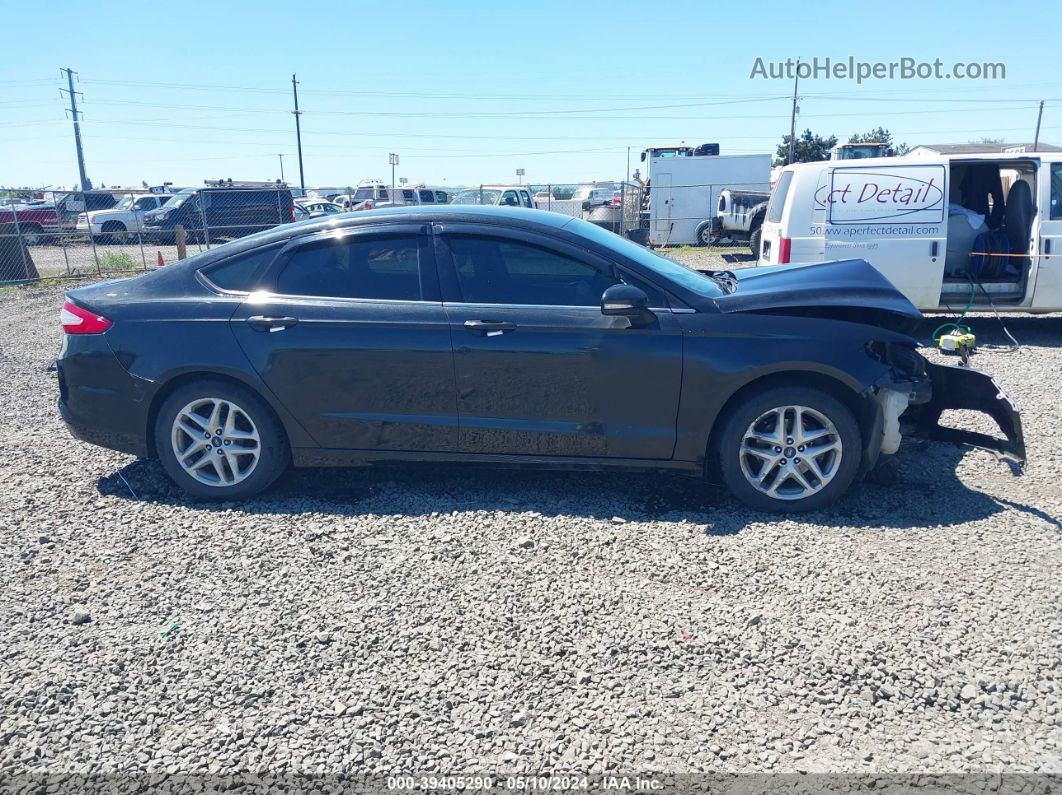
(963, 388)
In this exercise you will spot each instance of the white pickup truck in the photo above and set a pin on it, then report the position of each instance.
(124, 221)
(739, 215)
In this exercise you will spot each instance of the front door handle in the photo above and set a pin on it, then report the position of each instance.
(489, 328)
(263, 323)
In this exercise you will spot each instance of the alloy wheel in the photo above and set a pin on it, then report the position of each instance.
(215, 442)
(790, 452)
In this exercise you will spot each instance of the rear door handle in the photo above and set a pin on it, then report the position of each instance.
(489, 328)
(263, 323)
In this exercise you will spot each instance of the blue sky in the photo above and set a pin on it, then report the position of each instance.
(467, 92)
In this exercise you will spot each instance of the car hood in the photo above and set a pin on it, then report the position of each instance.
(852, 290)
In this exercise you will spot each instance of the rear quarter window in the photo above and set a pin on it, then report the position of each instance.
(241, 272)
(777, 203)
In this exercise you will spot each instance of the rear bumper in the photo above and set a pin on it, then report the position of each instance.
(100, 402)
(966, 389)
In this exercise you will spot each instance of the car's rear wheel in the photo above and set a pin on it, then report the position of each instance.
(219, 440)
(754, 241)
(114, 232)
(32, 234)
(790, 449)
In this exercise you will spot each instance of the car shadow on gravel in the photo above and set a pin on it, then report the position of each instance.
(418, 490)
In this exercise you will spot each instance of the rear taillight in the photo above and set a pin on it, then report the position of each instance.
(76, 320)
(783, 250)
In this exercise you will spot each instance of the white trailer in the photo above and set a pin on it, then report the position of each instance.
(683, 192)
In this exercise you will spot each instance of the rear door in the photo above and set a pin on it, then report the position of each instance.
(353, 339)
(539, 369)
(1048, 291)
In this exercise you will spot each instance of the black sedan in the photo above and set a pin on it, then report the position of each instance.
(511, 337)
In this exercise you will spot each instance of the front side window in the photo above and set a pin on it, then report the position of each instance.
(499, 271)
(364, 266)
(427, 197)
(148, 203)
(509, 199)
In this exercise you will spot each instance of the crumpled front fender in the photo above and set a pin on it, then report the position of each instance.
(963, 388)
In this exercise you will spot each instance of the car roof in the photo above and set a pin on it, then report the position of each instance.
(410, 213)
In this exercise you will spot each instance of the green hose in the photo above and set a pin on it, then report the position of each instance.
(955, 324)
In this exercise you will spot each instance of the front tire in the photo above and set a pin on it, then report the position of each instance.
(218, 440)
(789, 449)
(705, 236)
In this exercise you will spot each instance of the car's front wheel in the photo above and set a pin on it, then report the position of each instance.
(789, 449)
(220, 441)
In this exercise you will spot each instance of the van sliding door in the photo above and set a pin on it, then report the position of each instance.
(1047, 293)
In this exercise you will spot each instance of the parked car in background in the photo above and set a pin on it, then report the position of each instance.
(213, 213)
(498, 195)
(601, 203)
(36, 224)
(511, 336)
(315, 208)
(406, 195)
(123, 222)
(983, 229)
(71, 205)
(739, 215)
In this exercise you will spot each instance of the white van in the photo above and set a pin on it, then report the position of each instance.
(943, 228)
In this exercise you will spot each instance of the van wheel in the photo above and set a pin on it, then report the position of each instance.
(219, 440)
(704, 234)
(789, 449)
(754, 241)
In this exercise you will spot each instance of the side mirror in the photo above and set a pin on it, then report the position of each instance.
(625, 300)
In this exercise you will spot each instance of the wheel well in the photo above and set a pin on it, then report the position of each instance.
(757, 220)
(183, 379)
(113, 225)
(828, 384)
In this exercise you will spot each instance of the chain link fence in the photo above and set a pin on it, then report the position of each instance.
(77, 234)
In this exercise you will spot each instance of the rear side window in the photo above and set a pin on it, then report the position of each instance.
(367, 266)
(239, 273)
(777, 202)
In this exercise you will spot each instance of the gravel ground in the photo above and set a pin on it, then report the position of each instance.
(440, 621)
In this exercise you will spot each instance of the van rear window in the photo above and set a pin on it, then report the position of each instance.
(777, 203)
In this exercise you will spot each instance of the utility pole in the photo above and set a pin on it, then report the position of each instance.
(85, 184)
(792, 115)
(1039, 117)
(281, 156)
(298, 131)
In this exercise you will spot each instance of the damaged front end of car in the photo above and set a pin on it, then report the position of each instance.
(914, 393)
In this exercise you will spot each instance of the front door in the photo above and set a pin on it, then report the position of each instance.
(1048, 291)
(539, 369)
(354, 341)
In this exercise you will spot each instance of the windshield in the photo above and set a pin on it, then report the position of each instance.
(177, 199)
(125, 203)
(477, 196)
(673, 271)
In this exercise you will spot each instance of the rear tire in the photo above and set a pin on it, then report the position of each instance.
(247, 456)
(754, 241)
(789, 449)
(704, 234)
